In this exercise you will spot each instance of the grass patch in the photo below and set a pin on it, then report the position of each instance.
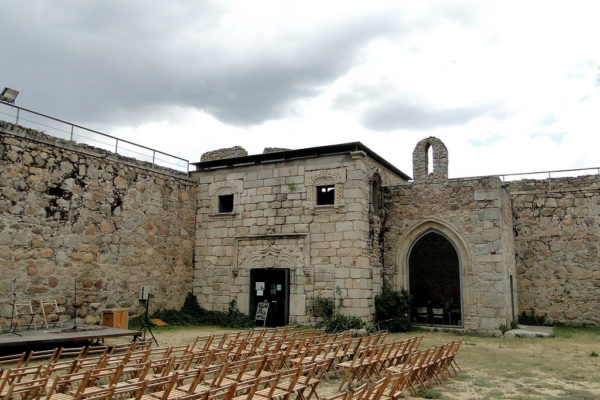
(429, 394)
(567, 332)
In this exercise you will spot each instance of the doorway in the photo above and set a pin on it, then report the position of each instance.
(273, 286)
(434, 281)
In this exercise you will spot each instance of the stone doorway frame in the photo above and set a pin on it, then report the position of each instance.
(405, 245)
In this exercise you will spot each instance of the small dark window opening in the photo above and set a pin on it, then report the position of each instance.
(325, 195)
(226, 203)
(376, 198)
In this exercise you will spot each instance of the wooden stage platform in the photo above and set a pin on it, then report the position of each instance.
(37, 337)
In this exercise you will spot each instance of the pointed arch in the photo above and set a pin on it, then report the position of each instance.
(418, 230)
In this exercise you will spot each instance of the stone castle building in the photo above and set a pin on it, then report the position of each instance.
(287, 226)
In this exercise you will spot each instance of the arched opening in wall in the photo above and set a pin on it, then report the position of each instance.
(429, 157)
(434, 281)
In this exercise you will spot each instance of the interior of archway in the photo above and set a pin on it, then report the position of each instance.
(434, 281)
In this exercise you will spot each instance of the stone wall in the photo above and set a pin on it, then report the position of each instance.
(470, 213)
(557, 232)
(229, 152)
(277, 223)
(70, 211)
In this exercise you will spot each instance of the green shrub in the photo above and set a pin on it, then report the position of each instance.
(341, 323)
(191, 313)
(191, 306)
(392, 310)
(322, 307)
(532, 318)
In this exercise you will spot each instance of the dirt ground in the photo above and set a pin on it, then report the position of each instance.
(564, 367)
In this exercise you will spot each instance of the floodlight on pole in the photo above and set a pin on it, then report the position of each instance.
(9, 95)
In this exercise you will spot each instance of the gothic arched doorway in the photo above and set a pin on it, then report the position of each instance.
(434, 281)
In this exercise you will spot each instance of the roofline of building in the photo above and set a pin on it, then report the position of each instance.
(288, 155)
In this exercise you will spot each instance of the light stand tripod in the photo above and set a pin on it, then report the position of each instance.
(13, 299)
(145, 296)
(74, 328)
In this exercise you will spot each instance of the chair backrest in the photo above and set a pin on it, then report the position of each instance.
(422, 310)
(48, 308)
(134, 391)
(47, 355)
(16, 359)
(98, 394)
(28, 389)
(437, 311)
(224, 392)
(66, 352)
(69, 382)
(19, 374)
(162, 384)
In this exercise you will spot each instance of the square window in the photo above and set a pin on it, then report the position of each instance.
(325, 195)
(226, 203)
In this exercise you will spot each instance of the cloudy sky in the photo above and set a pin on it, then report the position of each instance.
(509, 86)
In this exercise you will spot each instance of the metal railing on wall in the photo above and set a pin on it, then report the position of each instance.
(558, 173)
(76, 133)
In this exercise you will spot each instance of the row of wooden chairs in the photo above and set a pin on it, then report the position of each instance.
(369, 361)
(419, 369)
(430, 366)
(191, 379)
(25, 316)
(235, 359)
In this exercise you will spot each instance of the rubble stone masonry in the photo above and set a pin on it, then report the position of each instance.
(557, 234)
(70, 211)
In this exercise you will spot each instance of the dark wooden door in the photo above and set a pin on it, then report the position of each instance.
(273, 286)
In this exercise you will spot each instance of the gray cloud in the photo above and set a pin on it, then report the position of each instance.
(121, 62)
(391, 115)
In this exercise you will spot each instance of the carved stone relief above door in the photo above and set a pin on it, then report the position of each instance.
(272, 251)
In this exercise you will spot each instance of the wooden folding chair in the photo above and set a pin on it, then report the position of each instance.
(85, 363)
(353, 368)
(51, 313)
(397, 385)
(29, 389)
(449, 362)
(67, 387)
(288, 383)
(98, 394)
(160, 387)
(130, 391)
(24, 315)
(16, 375)
(96, 350)
(47, 355)
(13, 360)
(124, 348)
(103, 377)
(244, 390)
(357, 393)
(270, 388)
(311, 382)
(224, 392)
(70, 352)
